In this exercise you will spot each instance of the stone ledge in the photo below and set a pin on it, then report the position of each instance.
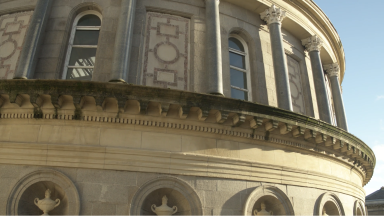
(120, 103)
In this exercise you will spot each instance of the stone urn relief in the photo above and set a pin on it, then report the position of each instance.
(46, 205)
(164, 209)
(263, 210)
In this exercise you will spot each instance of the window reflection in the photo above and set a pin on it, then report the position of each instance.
(238, 69)
(82, 48)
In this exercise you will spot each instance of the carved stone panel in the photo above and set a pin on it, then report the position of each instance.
(295, 85)
(166, 51)
(12, 33)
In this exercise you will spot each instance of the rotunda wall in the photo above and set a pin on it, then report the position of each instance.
(111, 192)
(171, 150)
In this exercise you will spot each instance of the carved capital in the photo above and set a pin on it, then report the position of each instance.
(273, 15)
(332, 69)
(313, 43)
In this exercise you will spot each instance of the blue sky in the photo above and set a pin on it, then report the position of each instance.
(360, 26)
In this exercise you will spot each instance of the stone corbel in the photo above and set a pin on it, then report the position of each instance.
(330, 141)
(241, 120)
(339, 145)
(223, 117)
(321, 138)
(298, 131)
(309, 134)
(271, 125)
(285, 128)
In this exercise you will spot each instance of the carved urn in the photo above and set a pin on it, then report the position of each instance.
(263, 210)
(164, 209)
(46, 205)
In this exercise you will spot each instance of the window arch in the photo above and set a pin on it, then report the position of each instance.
(81, 54)
(239, 68)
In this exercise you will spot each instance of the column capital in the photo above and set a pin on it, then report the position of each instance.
(332, 69)
(273, 15)
(313, 43)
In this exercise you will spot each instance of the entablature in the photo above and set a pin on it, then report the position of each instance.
(117, 103)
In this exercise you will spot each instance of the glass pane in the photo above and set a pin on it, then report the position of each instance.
(80, 73)
(84, 37)
(83, 57)
(238, 79)
(237, 94)
(235, 44)
(237, 60)
(89, 20)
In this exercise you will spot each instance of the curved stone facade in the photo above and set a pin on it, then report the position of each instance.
(173, 127)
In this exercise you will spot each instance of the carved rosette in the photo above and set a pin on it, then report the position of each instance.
(332, 69)
(313, 43)
(273, 15)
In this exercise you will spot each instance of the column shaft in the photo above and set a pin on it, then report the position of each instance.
(33, 40)
(338, 103)
(320, 86)
(123, 42)
(284, 99)
(213, 46)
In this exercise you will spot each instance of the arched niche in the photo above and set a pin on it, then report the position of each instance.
(329, 203)
(178, 192)
(359, 209)
(274, 199)
(21, 198)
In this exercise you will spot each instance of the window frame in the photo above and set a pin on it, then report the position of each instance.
(72, 38)
(247, 69)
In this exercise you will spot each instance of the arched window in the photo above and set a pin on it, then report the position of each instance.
(82, 46)
(239, 68)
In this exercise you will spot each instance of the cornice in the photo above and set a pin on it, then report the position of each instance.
(308, 7)
(59, 99)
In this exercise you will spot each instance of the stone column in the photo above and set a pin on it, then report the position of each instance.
(123, 41)
(333, 71)
(213, 47)
(33, 40)
(274, 16)
(313, 45)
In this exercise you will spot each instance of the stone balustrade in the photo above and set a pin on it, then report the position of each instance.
(124, 104)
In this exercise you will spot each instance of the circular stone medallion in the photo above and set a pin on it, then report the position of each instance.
(7, 48)
(166, 52)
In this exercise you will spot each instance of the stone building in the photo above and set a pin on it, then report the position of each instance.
(375, 202)
(210, 107)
